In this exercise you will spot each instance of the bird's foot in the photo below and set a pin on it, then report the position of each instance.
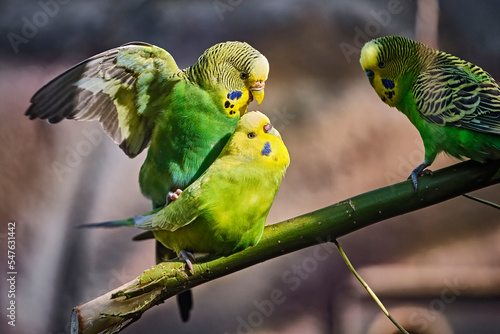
(187, 257)
(172, 196)
(419, 171)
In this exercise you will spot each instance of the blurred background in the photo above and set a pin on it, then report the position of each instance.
(437, 269)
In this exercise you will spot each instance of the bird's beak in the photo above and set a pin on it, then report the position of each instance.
(269, 128)
(257, 91)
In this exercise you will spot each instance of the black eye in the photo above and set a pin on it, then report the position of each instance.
(244, 75)
(381, 64)
(252, 135)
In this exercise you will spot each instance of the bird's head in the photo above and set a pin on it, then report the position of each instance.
(387, 62)
(236, 72)
(255, 138)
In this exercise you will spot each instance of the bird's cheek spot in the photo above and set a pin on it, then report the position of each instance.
(230, 108)
(389, 84)
(234, 95)
(390, 94)
(267, 149)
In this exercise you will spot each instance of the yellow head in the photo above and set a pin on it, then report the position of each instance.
(236, 71)
(391, 63)
(255, 139)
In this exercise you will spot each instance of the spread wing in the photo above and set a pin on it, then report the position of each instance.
(121, 88)
(457, 93)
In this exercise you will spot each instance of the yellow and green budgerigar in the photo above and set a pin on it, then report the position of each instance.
(225, 209)
(455, 105)
(142, 98)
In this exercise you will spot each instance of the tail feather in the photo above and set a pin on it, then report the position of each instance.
(112, 223)
(141, 221)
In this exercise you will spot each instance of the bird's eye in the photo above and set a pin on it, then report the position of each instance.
(381, 64)
(244, 75)
(252, 135)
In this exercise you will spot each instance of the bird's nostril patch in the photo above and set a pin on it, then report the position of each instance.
(268, 127)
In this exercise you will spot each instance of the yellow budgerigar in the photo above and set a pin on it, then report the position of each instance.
(223, 211)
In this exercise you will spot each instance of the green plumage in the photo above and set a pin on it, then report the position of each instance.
(184, 143)
(454, 104)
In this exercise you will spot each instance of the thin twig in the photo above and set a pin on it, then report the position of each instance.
(480, 200)
(367, 287)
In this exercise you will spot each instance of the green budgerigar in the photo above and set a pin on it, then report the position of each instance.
(455, 105)
(225, 209)
(142, 98)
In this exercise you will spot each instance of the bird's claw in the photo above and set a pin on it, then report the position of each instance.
(187, 257)
(172, 196)
(419, 171)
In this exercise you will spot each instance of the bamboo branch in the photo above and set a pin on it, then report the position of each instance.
(114, 310)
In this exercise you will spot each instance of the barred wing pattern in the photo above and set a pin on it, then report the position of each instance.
(118, 87)
(457, 93)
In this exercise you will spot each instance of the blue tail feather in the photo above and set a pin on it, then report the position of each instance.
(112, 223)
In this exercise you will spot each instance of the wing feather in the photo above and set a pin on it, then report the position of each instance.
(179, 213)
(460, 94)
(117, 88)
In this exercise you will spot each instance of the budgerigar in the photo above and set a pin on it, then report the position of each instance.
(142, 98)
(223, 211)
(455, 105)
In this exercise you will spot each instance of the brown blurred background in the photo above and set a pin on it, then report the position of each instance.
(437, 270)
